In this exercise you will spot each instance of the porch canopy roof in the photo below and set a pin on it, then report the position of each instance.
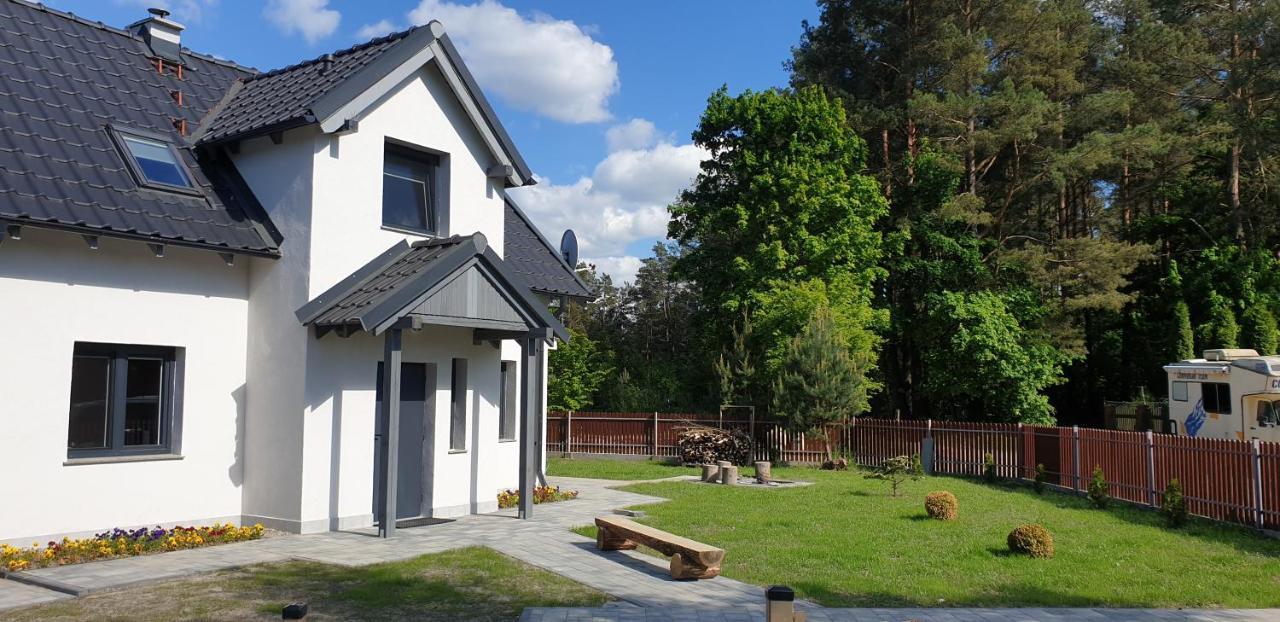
(455, 281)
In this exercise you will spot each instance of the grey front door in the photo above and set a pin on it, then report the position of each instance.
(412, 482)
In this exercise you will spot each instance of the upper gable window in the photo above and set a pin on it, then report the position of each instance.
(409, 190)
(156, 162)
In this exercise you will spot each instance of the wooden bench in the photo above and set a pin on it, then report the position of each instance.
(689, 559)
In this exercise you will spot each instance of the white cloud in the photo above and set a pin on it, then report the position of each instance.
(621, 269)
(634, 134)
(549, 66)
(313, 19)
(376, 29)
(623, 201)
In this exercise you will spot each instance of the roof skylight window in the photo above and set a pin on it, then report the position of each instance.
(156, 162)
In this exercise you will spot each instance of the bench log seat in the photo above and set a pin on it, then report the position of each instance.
(689, 559)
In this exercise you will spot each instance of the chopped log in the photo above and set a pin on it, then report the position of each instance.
(710, 473)
(689, 559)
(763, 474)
(729, 475)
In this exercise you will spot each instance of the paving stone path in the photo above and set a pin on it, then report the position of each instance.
(646, 591)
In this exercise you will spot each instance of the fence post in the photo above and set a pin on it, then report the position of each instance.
(655, 435)
(1259, 517)
(568, 434)
(1075, 457)
(926, 447)
(1151, 470)
(1019, 468)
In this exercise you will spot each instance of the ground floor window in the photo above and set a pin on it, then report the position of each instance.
(508, 404)
(458, 407)
(123, 400)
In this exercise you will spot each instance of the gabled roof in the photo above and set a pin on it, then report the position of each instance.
(532, 258)
(395, 283)
(334, 89)
(65, 82)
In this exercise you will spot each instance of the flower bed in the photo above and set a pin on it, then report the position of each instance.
(122, 543)
(541, 494)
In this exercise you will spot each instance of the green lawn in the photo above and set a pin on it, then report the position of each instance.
(615, 469)
(466, 584)
(845, 542)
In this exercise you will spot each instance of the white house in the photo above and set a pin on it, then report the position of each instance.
(205, 271)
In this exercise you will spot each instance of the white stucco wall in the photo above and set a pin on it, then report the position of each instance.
(281, 179)
(312, 401)
(55, 291)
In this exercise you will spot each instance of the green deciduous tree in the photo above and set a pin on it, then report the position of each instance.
(575, 370)
(781, 223)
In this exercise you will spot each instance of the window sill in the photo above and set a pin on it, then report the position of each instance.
(457, 451)
(119, 459)
(507, 440)
(411, 231)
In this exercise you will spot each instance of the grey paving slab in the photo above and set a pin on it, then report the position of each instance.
(14, 594)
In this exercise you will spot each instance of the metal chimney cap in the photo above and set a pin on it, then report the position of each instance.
(158, 12)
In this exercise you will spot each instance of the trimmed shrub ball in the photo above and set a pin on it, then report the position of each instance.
(1032, 540)
(941, 505)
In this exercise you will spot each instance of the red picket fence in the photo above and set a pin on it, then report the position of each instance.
(1227, 480)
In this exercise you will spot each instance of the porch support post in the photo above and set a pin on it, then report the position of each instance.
(531, 347)
(390, 416)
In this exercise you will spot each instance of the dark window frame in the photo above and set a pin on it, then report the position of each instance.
(508, 401)
(118, 135)
(1220, 402)
(434, 163)
(118, 371)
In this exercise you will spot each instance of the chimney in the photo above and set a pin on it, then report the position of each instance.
(162, 35)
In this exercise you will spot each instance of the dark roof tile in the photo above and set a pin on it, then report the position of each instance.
(64, 81)
(531, 257)
(283, 97)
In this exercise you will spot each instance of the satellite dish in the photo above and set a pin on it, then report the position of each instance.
(569, 248)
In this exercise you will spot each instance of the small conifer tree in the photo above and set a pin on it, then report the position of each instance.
(1174, 505)
(989, 468)
(1041, 477)
(1099, 492)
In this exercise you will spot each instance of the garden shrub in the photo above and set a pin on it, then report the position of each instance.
(541, 494)
(941, 505)
(898, 470)
(1099, 492)
(703, 445)
(1041, 477)
(839, 464)
(1032, 540)
(989, 468)
(1174, 505)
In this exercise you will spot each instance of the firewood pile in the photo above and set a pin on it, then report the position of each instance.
(704, 445)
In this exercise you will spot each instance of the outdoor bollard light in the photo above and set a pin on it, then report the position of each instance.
(295, 611)
(780, 605)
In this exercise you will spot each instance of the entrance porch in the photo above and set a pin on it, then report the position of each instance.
(425, 294)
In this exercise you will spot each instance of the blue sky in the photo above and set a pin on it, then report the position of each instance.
(600, 97)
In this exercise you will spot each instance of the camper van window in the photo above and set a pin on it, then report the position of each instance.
(1180, 391)
(1217, 397)
(1267, 416)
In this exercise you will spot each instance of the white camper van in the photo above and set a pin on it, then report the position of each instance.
(1227, 394)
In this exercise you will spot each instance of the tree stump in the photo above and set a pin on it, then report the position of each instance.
(729, 475)
(710, 473)
(763, 474)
